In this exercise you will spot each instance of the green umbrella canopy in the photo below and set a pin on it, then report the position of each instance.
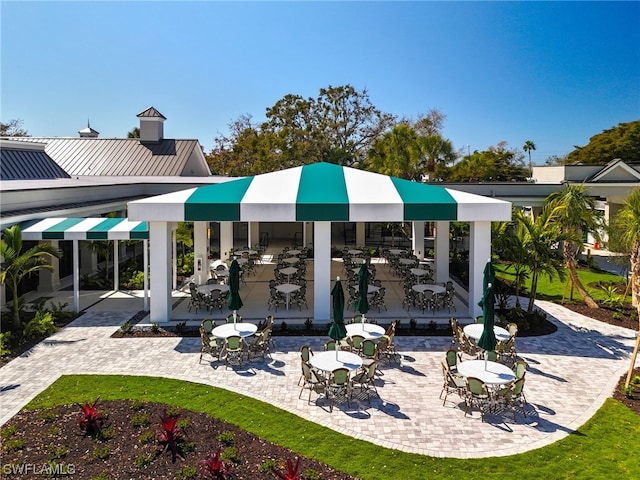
(362, 305)
(487, 340)
(337, 330)
(234, 302)
(489, 276)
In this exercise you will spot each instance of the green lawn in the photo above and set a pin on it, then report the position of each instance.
(605, 447)
(554, 290)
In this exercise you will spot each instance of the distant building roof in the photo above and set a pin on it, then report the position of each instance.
(20, 161)
(124, 156)
(151, 112)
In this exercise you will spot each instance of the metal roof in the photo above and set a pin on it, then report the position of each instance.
(28, 164)
(123, 156)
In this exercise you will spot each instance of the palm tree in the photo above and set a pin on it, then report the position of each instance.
(528, 146)
(628, 222)
(537, 238)
(575, 214)
(16, 264)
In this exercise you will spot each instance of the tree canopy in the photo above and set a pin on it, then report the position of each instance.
(13, 128)
(621, 142)
(498, 164)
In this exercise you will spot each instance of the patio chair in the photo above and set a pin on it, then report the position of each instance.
(209, 343)
(329, 345)
(512, 398)
(356, 318)
(452, 384)
(476, 395)
(520, 368)
(365, 380)
(427, 301)
(378, 299)
(214, 300)
(276, 299)
(454, 331)
(234, 349)
(355, 343)
(230, 318)
(448, 300)
(259, 345)
(338, 387)
(512, 328)
(313, 381)
(452, 358)
(507, 350)
(197, 300)
(387, 347)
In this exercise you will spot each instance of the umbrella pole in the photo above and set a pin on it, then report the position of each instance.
(234, 318)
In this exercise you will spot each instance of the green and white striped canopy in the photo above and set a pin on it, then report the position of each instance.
(319, 192)
(85, 229)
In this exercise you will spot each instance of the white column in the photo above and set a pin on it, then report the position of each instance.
(308, 233)
(160, 240)
(174, 256)
(479, 255)
(417, 242)
(88, 258)
(200, 243)
(360, 234)
(76, 277)
(116, 267)
(441, 254)
(254, 234)
(145, 281)
(322, 271)
(226, 239)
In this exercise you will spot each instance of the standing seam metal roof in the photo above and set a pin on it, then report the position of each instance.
(18, 164)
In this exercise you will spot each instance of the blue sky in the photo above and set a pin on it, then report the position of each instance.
(554, 73)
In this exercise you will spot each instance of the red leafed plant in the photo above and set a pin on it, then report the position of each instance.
(90, 419)
(292, 472)
(212, 468)
(171, 435)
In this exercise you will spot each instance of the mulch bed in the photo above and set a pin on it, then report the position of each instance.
(53, 435)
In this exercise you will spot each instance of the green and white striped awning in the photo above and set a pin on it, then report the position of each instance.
(320, 192)
(85, 229)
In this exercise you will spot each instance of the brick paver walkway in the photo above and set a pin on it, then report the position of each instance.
(570, 375)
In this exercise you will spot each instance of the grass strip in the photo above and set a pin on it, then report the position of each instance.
(605, 447)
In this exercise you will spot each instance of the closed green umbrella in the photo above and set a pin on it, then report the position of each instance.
(489, 275)
(362, 305)
(337, 331)
(234, 302)
(488, 338)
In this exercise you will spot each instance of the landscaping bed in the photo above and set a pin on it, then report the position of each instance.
(129, 447)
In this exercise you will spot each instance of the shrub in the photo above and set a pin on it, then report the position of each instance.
(311, 474)
(155, 327)
(267, 466)
(13, 444)
(40, 325)
(147, 437)
(227, 438)
(186, 473)
(230, 454)
(171, 436)
(144, 459)
(57, 452)
(8, 432)
(5, 341)
(90, 419)
(291, 473)
(214, 468)
(100, 452)
(136, 405)
(126, 327)
(141, 420)
(308, 324)
(48, 416)
(181, 327)
(101, 476)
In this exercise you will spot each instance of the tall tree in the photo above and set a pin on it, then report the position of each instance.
(16, 264)
(134, 133)
(528, 146)
(497, 163)
(622, 141)
(576, 215)
(628, 223)
(13, 128)
(397, 154)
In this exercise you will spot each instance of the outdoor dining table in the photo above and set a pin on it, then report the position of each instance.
(370, 288)
(419, 272)
(355, 252)
(407, 261)
(370, 331)
(330, 360)
(474, 332)
(293, 252)
(491, 373)
(212, 286)
(396, 251)
(288, 271)
(291, 260)
(241, 329)
(287, 289)
(436, 289)
(249, 252)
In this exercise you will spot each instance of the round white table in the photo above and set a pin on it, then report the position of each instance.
(491, 373)
(355, 252)
(369, 331)
(293, 252)
(436, 289)
(249, 252)
(419, 272)
(396, 251)
(242, 329)
(474, 332)
(407, 261)
(288, 271)
(370, 288)
(212, 286)
(332, 359)
(287, 289)
(291, 260)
